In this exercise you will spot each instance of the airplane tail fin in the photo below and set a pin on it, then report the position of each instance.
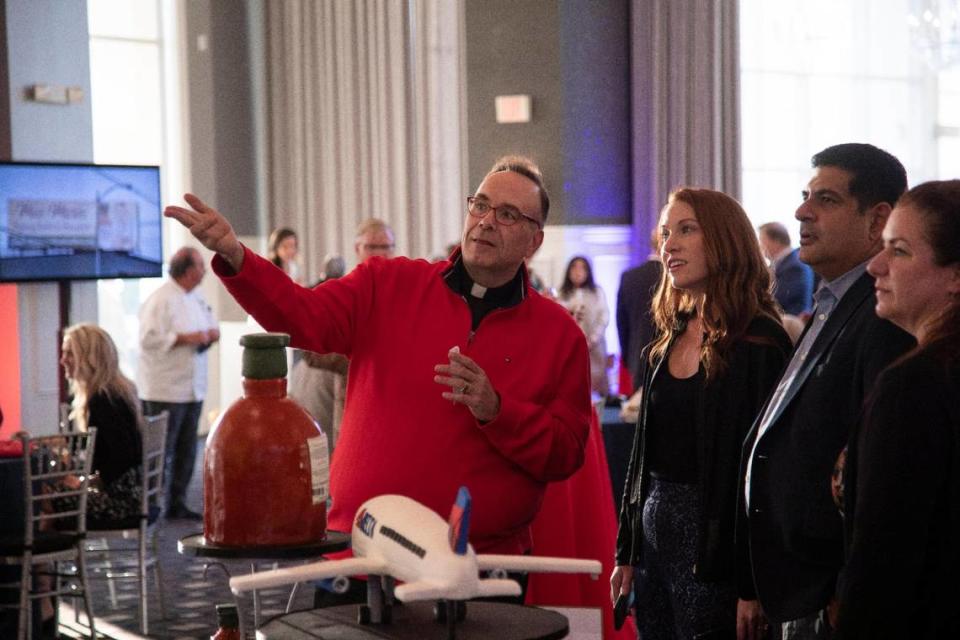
(460, 522)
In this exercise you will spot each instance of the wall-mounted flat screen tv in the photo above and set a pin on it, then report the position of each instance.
(79, 222)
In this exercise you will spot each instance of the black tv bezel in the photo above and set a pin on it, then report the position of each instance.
(84, 277)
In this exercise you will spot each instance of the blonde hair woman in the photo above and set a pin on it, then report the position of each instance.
(104, 398)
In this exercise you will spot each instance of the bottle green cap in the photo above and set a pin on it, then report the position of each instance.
(264, 355)
(228, 617)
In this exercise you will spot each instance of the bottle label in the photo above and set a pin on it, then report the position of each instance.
(319, 467)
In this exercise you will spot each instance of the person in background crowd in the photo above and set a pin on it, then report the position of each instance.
(635, 324)
(106, 399)
(319, 381)
(374, 238)
(176, 329)
(334, 267)
(793, 280)
(586, 301)
(789, 528)
(719, 351)
(282, 251)
(536, 281)
(902, 493)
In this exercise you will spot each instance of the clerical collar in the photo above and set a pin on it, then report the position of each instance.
(482, 300)
(505, 295)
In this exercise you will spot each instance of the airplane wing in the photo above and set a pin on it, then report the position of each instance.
(312, 571)
(428, 590)
(538, 564)
(491, 587)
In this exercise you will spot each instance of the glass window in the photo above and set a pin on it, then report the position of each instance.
(126, 101)
(818, 73)
(128, 92)
(128, 19)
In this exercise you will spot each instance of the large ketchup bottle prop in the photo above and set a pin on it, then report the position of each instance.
(265, 468)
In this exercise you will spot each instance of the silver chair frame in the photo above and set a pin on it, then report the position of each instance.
(101, 542)
(47, 462)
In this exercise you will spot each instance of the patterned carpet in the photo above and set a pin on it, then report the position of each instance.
(189, 596)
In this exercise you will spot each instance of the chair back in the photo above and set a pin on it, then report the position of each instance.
(154, 438)
(65, 425)
(56, 479)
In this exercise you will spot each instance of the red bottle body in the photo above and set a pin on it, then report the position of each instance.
(227, 634)
(265, 471)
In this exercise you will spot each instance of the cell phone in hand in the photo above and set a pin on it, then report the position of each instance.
(620, 609)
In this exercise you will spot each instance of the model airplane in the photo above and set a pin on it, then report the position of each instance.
(399, 537)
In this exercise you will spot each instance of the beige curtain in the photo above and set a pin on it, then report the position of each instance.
(686, 96)
(363, 118)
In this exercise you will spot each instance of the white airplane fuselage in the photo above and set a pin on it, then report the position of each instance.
(385, 526)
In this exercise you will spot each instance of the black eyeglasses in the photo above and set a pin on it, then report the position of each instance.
(377, 247)
(506, 215)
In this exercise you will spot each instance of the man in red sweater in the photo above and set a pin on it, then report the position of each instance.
(460, 373)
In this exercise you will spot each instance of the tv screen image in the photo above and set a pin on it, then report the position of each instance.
(79, 221)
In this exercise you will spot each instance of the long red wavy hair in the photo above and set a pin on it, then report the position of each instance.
(738, 286)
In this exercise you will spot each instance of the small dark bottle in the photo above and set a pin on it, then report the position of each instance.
(228, 621)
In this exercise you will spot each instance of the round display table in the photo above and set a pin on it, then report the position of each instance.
(197, 546)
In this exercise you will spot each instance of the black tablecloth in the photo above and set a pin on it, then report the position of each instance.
(618, 441)
(415, 621)
(11, 523)
(11, 495)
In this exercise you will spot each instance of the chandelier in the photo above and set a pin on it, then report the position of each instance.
(935, 29)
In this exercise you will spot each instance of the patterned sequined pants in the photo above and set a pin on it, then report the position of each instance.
(671, 603)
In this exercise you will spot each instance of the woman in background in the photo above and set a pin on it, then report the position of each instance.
(903, 469)
(106, 399)
(719, 352)
(588, 304)
(282, 251)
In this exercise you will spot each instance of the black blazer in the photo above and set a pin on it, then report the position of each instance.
(794, 530)
(793, 284)
(635, 326)
(903, 499)
(727, 407)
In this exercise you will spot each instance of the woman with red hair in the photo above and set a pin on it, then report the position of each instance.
(719, 350)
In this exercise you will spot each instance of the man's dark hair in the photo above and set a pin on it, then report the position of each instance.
(776, 232)
(181, 261)
(529, 170)
(877, 175)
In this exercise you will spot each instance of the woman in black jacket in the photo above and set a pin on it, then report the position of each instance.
(106, 399)
(902, 576)
(720, 349)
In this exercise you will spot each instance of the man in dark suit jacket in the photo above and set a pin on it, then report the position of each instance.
(787, 515)
(634, 320)
(793, 280)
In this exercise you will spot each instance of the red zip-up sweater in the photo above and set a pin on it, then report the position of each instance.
(396, 319)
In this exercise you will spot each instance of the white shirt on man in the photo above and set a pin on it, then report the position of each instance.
(168, 373)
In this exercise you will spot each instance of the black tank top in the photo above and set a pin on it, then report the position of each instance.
(671, 426)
